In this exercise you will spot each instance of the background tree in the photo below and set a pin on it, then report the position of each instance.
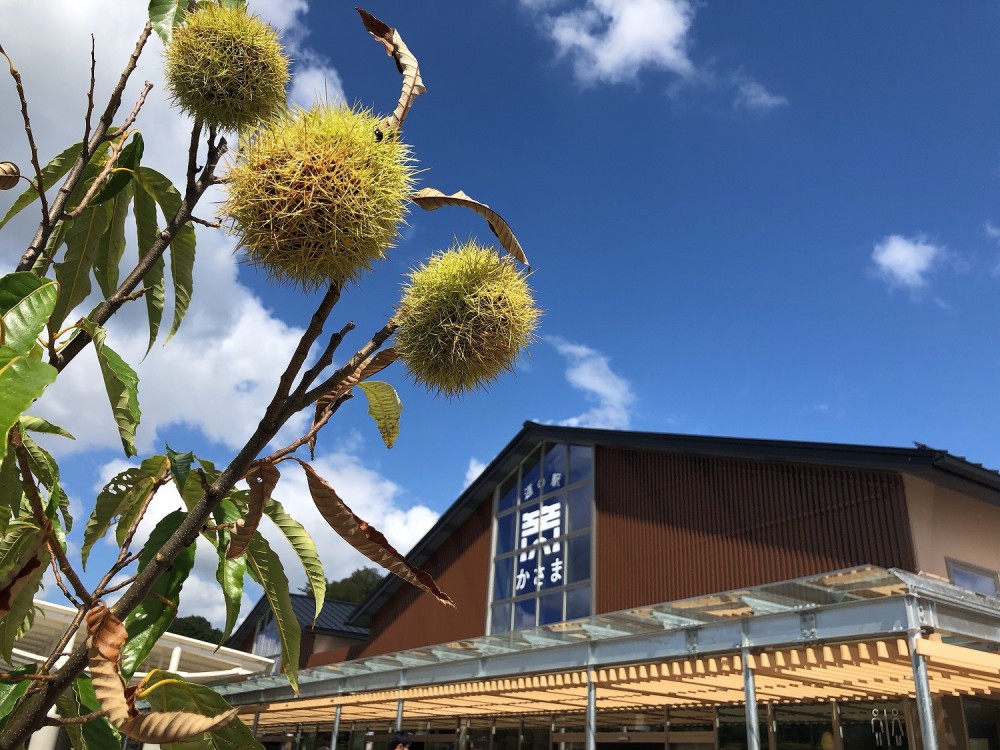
(353, 588)
(196, 626)
(315, 197)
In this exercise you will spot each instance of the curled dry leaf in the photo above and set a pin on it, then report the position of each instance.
(9, 175)
(406, 63)
(374, 364)
(162, 727)
(431, 199)
(106, 637)
(366, 539)
(262, 480)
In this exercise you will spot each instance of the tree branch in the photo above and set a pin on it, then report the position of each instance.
(87, 124)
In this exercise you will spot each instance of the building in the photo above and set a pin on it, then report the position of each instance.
(673, 591)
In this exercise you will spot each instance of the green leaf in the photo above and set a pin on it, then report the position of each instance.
(10, 694)
(180, 465)
(384, 407)
(164, 15)
(11, 491)
(23, 601)
(73, 273)
(265, 568)
(37, 424)
(22, 380)
(182, 249)
(44, 466)
(19, 542)
(96, 734)
(128, 162)
(122, 497)
(150, 620)
(144, 209)
(111, 246)
(27, 302)
(304, 547)
(229, 573)
(51, 172)
(180, 695)
(122, 386)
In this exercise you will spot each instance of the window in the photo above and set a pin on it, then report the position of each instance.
(972, 577)
(542, 539)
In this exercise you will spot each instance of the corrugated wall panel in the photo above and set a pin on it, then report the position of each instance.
(461, 568)
(671, 527)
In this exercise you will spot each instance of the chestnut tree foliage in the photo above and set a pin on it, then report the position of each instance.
(315, 198)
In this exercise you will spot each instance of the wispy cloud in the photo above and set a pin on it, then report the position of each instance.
(993, 232)
(753, 96)
(906, 261)
(475, 469)
(590, 371)
(611, 41)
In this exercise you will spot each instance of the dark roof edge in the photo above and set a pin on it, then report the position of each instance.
(920, 460)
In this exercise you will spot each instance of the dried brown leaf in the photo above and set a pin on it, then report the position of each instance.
(106, 636)
(162, 727)
(262, 480)
(406, 63)
(431, 199)
(368, 540)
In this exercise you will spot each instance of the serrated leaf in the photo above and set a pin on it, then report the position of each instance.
(262, 480)
(122, 386)
(180, 695)
(229, 573)
(384, 407)
(26, 302)
(37, 424)
(73, 273)
(305, 549)
(10, 694)
(164, 15)
(144, 210)
(150, 620)
(431, 199)
(17, 599)
(180, 465)
(111, 246)
(11, 490)
(182, 249)
(122, 497)
(22, 380)
(51, 172)
(265, 567)
(364, 537)
(21, 541)
(128, 162)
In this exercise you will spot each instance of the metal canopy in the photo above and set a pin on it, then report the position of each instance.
(845, 635)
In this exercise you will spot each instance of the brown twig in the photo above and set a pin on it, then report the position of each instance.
(39, 185)
(326, 358)
(119, 586)
(36, 677)
(122, 135)
(317, 425)
(51, 214)
(206, 223)
(334, 381)
(65, 639)
(62, 721)
(59, 581)
(90, 92)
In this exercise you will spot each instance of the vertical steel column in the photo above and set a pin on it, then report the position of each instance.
(399, 714)
(253, 727)
(838, 730)
(922, 685)
(750, 691)
(590, 729)
(335, 733)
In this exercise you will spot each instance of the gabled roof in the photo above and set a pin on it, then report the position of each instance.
(332, 619)
(937, 466)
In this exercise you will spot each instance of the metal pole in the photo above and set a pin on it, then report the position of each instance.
(921, 682)
(399, 714)
(298, 737)
(335, 733)
(590, 729)
(750, 690)
(256, 721)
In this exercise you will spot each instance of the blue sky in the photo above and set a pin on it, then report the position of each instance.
(770, 219)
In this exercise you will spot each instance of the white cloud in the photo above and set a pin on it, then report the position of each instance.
(318, 83)
(752, 95)
(475, 469)
(590, 371)
(610, 41)
(906, 261)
